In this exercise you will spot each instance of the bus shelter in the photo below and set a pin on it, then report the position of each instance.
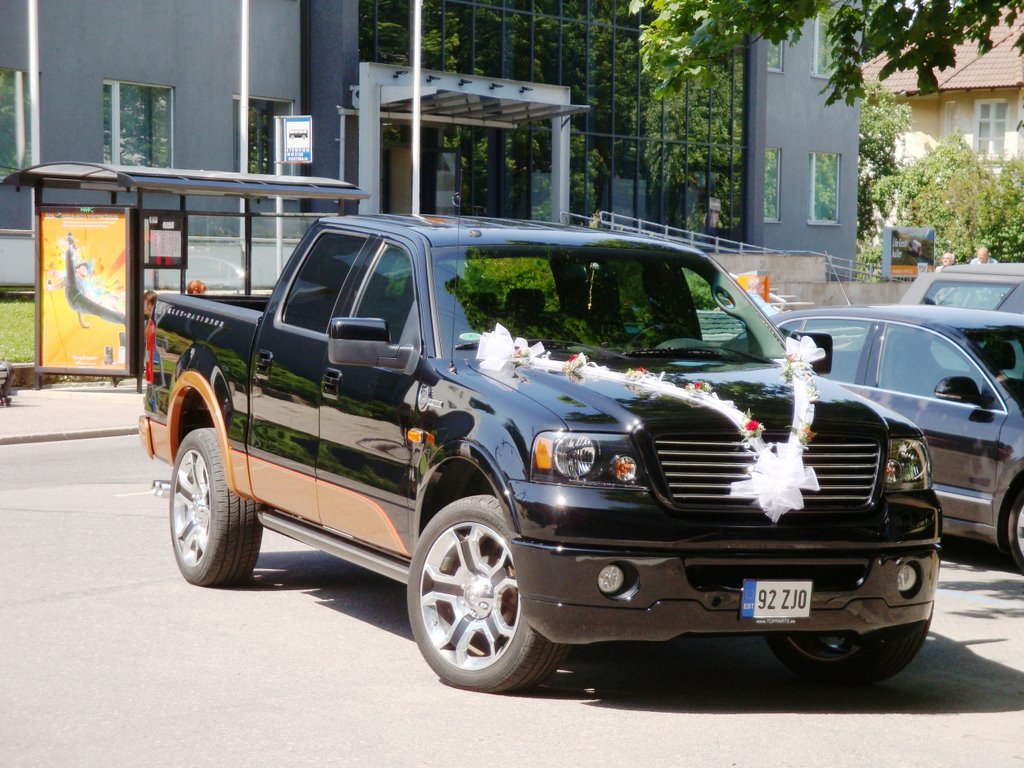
(105, 234)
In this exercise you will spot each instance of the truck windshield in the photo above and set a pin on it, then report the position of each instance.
(620, 301)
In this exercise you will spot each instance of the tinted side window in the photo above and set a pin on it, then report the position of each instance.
(311, 299)
(975, 295)
(915, 361)
(389, 294)
(848, 338)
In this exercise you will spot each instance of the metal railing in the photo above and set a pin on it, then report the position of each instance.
(838, 269)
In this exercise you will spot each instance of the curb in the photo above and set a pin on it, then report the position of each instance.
(80, 434)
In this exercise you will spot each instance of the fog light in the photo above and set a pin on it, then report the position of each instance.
(611, 579)
(906, 579)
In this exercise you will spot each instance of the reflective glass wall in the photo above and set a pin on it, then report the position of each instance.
(677, 161)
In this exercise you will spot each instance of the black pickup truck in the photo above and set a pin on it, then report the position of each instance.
(553, 436)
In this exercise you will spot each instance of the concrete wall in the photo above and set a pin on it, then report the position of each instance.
(798, 123)
(805, 278)
(191, 46)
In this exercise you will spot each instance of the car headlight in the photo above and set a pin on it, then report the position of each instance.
(586, 458)
(908, 467)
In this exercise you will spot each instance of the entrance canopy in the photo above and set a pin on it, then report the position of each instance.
(132, 179)
(385, 92)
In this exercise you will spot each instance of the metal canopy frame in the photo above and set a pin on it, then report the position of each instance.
(385, 92)
(105, 177)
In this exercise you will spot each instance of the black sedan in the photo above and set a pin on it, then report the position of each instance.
(957, 373)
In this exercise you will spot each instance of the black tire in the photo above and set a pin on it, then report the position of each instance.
(464, 603)
(850, 660)
(1015, 531)
(215, 534)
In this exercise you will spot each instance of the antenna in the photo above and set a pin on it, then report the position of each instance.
(457, 205)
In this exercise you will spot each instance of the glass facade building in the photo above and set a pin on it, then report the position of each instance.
(677, 161)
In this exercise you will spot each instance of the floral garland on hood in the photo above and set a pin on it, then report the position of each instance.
(778, 474)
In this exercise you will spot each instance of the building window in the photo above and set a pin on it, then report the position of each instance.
(262, 114)
(771, 184)
(775, 56)
(822, 49)
(137, 124)
(991, 128)
(949, 118)
(824, 188)
(15, 149)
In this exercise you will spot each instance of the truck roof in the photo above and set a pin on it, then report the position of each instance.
(442, 231)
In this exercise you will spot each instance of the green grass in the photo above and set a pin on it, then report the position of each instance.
(17, 330)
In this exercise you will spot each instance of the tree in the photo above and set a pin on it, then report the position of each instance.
(1001, 219)
(882, 121)
(685, 36)
(948, 189)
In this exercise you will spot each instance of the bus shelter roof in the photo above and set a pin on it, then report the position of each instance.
(179, 181)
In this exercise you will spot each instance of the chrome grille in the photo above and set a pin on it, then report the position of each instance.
(699, 470)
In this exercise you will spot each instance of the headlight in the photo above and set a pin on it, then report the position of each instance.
(908, 467)
(586, 458)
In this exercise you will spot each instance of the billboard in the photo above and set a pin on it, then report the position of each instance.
(907, 251)
(83, 273)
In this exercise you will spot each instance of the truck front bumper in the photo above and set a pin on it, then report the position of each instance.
(668, 595)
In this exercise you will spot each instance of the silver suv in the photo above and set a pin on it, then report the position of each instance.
(975, 286)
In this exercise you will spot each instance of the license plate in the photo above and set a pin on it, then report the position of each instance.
(776, 599)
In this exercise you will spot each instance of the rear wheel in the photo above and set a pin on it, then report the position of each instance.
(848, 659)
(216, 534)
(464, 603)
(1015, 531)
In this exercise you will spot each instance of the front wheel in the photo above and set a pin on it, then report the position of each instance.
(846, 659)
(464, 603)
(216, 534)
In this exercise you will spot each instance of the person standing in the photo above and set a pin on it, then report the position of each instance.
(948, 260)
(981, 257)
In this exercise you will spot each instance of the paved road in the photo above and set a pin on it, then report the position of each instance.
(108, 658)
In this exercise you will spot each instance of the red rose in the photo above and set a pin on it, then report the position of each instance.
(751, 426)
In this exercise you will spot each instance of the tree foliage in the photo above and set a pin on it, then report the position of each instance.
(967, 202)
(685, 36)
(882, 121)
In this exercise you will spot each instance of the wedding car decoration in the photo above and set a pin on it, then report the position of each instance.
(778, 474)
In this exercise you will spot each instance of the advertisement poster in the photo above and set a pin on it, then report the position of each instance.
(907, 251)
(84, 279)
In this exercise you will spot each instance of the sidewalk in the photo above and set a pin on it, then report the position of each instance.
(70, 412)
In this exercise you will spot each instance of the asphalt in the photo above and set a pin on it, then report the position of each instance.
(70, 412)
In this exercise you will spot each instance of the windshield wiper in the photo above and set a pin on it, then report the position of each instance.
(573, 346)
(697, 352)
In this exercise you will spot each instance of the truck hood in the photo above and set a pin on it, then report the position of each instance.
(757, 388)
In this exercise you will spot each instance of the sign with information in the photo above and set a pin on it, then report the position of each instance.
(163, 240)
(907, 251)
(84, 276)
(297, 139)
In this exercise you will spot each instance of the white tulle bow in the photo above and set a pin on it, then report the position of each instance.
(777, 479)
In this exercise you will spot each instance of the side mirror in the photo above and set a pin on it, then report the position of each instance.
(367, 341)
(960, 389)
(824, 342)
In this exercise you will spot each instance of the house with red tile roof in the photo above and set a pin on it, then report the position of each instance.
(982, 96)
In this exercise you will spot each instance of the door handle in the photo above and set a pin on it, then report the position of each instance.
(331, 383)
(264, 362)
